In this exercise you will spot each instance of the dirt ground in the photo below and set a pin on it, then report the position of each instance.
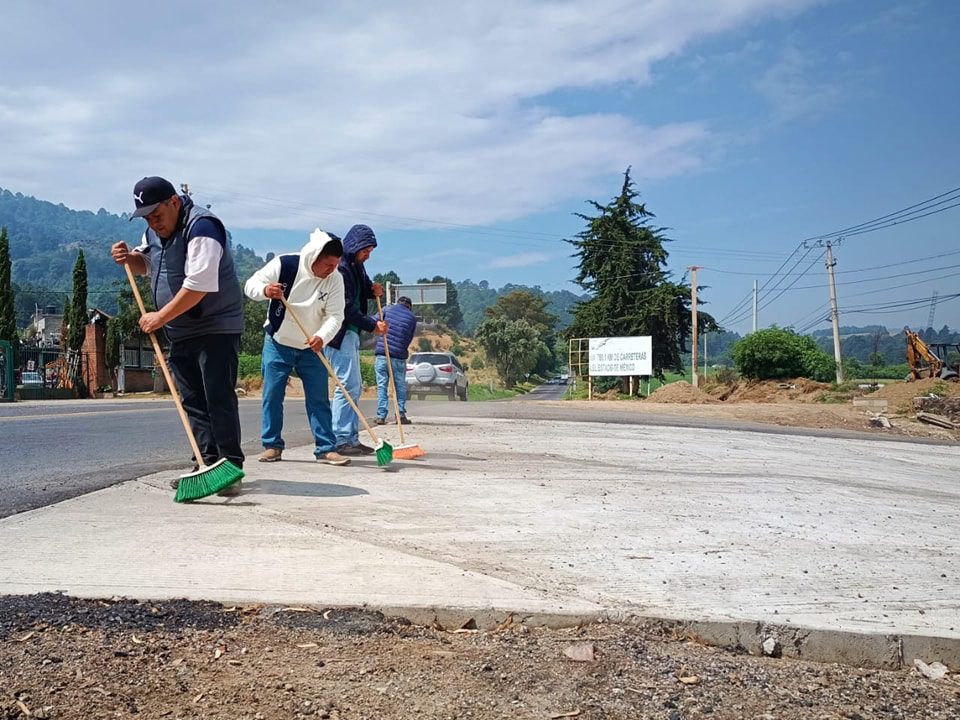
(798, 403)
(68, 658)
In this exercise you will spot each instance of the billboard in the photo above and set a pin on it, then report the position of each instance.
(420, 293)
(621, 356)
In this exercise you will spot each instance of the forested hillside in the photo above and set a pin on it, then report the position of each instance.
(45, 238)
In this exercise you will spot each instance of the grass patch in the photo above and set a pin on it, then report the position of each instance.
(477, 392)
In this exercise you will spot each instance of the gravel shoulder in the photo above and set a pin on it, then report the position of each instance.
(68, 658)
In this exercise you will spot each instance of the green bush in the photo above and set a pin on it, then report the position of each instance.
(606, 382)
(425, 344)
(249, 365)
(776, 353)
(477, 363)
(367, 372)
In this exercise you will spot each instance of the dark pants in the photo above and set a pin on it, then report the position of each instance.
(205, 369)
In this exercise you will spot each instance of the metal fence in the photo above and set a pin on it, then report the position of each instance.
(48, 373)
(6, 371)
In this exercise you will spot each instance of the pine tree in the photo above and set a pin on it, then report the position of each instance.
(78, 305)
(623, 264)
(8, 315)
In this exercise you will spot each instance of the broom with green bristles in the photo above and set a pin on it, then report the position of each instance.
(208, 479)
(383, 449)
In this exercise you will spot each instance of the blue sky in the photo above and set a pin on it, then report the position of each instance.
(468, 134)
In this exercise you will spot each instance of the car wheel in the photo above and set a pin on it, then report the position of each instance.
(463, 394)
(452, 395)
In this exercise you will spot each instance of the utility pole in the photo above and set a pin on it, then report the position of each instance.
(693, 340)
(705, 354)
(834, 313)
(754, 305)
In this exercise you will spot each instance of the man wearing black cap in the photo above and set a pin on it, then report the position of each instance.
(200, 306)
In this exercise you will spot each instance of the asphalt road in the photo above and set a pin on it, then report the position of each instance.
(57, 449)
(544, 392)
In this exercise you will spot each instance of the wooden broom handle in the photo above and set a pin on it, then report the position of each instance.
(158, 354)
(326, 364)
(393, 388)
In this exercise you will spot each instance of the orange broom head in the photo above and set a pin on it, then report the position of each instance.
(408, 452)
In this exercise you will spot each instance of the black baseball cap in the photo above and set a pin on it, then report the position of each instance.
(404, 300)
(150, 192)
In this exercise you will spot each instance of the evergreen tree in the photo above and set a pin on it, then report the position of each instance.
(388, 277)
(623, 265)
(8, 315)
(78, 305)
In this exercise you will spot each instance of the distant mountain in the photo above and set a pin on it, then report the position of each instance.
(45, 238)
(475, 298)
(862, 342)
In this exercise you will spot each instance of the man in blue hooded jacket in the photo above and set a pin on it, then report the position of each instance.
(401, 327)
(343, 351)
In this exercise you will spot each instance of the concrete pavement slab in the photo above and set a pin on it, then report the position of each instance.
(739, 529)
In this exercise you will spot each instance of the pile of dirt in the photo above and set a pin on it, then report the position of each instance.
(680, 392)
(85, 660)
(900, 395)
(776, 391)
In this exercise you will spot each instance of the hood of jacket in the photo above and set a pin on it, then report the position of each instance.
(311, 251)
(357, 238)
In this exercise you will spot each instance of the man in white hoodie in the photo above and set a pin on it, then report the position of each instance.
(314, 289)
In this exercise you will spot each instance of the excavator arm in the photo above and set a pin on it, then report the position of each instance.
(922, 360)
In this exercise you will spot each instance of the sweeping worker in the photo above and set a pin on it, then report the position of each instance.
(195, 288)
(314, 290)
(401, 327)
(343, 351)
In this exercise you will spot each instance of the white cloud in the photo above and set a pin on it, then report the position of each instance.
(791, 87)
(521, 260)
(285, 119)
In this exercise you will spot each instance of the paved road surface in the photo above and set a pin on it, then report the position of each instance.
(54, 450)
(545, 392)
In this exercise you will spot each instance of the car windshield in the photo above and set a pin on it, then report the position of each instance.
(432, 358)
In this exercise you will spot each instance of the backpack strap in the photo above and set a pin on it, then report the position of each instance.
(289, 264)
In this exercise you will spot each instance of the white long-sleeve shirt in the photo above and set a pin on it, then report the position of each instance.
(317, 302)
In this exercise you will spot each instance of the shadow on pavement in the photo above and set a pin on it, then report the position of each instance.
(305, 489)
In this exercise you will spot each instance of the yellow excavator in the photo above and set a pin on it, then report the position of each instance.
(930, 361)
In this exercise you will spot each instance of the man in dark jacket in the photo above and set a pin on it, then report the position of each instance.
(401, 327)
(200, 306)
(343, 351)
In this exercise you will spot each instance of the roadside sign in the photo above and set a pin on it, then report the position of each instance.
(621, 356)
(419, 293)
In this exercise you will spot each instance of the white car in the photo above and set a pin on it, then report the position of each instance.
(436, 373)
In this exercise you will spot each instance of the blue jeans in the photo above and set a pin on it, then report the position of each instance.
(383, 384)
(345, 361)
(277, 363)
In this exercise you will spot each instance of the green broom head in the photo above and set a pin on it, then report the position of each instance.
(207, 480)
(384, 453)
